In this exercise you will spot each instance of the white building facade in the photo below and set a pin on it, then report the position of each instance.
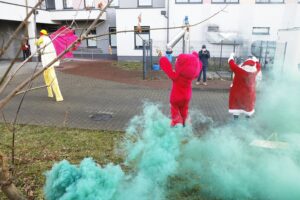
(238, 26)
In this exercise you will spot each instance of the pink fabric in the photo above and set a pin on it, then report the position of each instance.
(62, 38)
(187, 68)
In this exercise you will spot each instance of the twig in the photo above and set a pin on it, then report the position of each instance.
(155, 29)
(66, 118)
(13, 36)
(19, 87)
(6, 183)
(5, 122)
(34, 88)
(8, 79)
(9, 68)
(15, 120)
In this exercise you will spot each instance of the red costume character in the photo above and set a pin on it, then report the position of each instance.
(243, 93)
(187, 68)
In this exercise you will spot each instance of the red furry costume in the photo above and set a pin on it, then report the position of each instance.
(187, 68)
(243, 93)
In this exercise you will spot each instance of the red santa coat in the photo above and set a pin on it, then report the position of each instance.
(187, 68)
(243, 93)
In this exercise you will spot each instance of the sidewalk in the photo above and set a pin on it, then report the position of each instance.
(27, 68)
(87, 97)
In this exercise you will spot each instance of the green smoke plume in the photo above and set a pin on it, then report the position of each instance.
(165, 162)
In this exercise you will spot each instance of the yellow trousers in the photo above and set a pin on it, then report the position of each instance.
(52, 84)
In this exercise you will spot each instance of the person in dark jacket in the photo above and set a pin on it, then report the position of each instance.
(204, 55)
(25, 49)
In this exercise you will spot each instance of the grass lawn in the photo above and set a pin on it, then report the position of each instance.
(132, 65)
(38, 148)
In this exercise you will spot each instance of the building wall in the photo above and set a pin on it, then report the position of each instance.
(19, 12)
(102, 28)
(125, 41)
(291, 60)
(48, 18)
(239, 18)
(134, 3)
(7, 29)
(12, 13)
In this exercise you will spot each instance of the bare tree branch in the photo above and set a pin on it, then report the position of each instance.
(9, 68)
(31, 89)
(6, 183)
(14, 35)
(13, 93)
(7, 78)
(155, 29)
(15, 120)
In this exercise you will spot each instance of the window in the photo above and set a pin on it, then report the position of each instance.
(89, 3)
(213, 29)
(224, 1)
(93, 41)
(145, 2)
(188, 1)
(261, 31)
(68, 4)
(269, 1)
(112, 37)
(114, 3)
(50, 4)
(139, 37)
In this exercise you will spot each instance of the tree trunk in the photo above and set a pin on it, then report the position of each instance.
(6, 184)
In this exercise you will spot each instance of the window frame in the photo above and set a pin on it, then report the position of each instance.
(149, 6)
(260, 27)
(213, 28)
(53, 7)
(189, 2)
(144, 28)
(224, 2)
(269, 2)
(115, 30)
(65, 4)
(112, 6)
(87, 41)
(91, 6)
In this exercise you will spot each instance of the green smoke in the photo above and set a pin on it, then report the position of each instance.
(166, 162)
(152, 147)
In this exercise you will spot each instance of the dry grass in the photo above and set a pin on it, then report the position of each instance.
(38, 148)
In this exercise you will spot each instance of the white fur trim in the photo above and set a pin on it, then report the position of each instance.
(230, 58)
(238, 112)
(249, 68)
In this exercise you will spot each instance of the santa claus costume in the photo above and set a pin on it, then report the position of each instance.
(243, 90)
(187, 68)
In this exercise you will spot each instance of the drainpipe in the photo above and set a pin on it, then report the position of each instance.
(168, 19)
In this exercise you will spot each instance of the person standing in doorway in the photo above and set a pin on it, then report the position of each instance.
(25, 48)
(204, 55)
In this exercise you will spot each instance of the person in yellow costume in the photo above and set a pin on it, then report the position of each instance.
(48, 53)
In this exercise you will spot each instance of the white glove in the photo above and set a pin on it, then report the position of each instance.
(231, 57)
(255, 59)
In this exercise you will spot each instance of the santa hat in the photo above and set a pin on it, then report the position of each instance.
(249, 66)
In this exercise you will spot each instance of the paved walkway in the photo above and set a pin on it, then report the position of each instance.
(86, 96)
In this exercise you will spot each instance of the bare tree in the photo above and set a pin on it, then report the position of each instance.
(6, 182)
